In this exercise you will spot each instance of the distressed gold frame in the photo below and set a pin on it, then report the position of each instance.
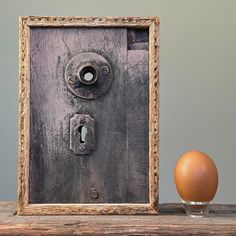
(24, 207)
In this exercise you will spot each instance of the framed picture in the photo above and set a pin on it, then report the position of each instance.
(88, 115)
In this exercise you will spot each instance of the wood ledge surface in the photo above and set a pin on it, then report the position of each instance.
(171, 221)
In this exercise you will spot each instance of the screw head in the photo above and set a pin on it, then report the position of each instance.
(105, 70)
(94, 194)
(82, 147)
(83, 120)
(72, 80)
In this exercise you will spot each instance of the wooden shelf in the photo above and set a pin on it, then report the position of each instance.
(171, 221)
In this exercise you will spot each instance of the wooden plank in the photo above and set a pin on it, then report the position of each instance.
(171, 221)
(136, 76)
(121, 117)
(57, 175)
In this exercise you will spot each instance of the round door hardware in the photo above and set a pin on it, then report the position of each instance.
(88, 75)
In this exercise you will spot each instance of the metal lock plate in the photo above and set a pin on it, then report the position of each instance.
(82, 137)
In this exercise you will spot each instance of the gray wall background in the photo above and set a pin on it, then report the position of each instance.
(198, 81)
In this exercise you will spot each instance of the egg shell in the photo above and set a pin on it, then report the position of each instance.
(196, 177)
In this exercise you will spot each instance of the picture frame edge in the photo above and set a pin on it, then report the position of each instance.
(25, 23)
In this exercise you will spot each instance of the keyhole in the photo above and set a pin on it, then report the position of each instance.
(82, 131)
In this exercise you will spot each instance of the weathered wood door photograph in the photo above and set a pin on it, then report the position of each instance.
(88, 116)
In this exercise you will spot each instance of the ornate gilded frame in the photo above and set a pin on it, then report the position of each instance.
(25, 24)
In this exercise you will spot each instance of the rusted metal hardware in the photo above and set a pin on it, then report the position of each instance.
(88, 75)
(94, 194)
(82, 136)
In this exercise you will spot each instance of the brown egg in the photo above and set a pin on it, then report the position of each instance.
(196, 177)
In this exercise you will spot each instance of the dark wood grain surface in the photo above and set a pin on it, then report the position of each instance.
(171, 221)
(118, 167)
